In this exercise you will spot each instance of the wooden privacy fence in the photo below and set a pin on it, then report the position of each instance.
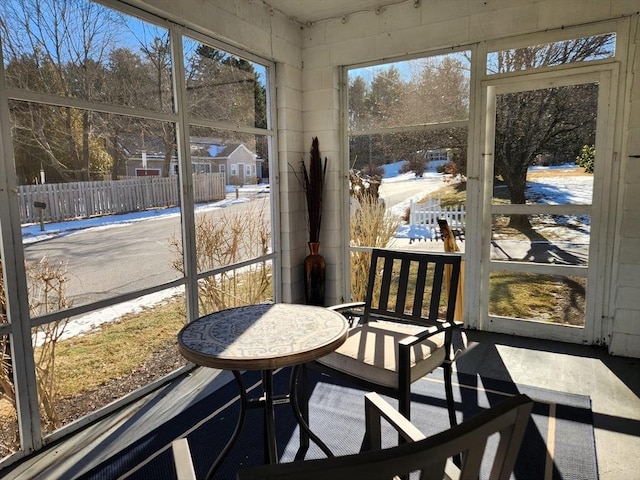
(428, 213)
(66, 201)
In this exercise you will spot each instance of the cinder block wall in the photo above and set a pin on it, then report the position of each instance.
(625, 294)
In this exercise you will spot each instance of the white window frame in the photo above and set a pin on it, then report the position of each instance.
(21, 324)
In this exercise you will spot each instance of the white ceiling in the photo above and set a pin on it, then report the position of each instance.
(306, 11)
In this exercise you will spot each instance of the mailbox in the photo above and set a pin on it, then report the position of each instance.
(40, 206)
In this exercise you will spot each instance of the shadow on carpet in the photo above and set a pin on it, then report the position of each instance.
(559, 442)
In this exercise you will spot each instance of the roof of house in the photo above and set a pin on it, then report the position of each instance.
(203, 147)
(228, 150)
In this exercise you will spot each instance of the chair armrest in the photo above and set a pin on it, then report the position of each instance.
(351, 310)
(411, 340)
(347, 306)
(375, 409)
(182, 459)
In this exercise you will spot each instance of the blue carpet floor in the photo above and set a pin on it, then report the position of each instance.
(561, 421)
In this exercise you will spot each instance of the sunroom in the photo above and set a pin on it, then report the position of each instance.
(518, 121)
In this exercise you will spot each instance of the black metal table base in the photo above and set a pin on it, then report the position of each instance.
(267, 402)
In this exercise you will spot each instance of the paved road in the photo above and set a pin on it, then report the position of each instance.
(396, 193)
(104, 262)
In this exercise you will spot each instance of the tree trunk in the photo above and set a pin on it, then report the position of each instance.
(86, 157)
(517, 192)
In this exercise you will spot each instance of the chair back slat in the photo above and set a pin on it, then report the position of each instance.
(436, 290)
(403, 284)
(421, 280)
(387, 270)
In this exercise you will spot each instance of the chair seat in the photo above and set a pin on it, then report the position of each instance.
(371, 353)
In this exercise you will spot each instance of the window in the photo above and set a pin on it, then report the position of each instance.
(407, 119)
(101, 148)
(587, 49)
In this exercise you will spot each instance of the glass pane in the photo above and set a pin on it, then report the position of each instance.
(84, 363)
(546, 298)
(234, 288)
(223, 87)
(419, 177)
(541, 137)
(412, 92)
(586, 49)
(238, 228)
(103, 231)
(81, 49)
(556, 239)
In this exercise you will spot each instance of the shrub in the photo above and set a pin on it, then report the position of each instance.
(416, 164)
(370, 226)
(586, 158)
(224, 239)
(47, 293)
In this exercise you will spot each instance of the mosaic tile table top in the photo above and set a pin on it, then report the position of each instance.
(264, 336)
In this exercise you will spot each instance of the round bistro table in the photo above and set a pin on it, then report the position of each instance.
(263, 337)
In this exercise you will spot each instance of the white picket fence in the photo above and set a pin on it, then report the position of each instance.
(427, 214)
(67, 201)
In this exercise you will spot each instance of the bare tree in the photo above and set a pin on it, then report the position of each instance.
(58, 47)
(429, 91)
(549, 121)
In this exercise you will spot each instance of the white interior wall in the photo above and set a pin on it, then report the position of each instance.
(625, 292)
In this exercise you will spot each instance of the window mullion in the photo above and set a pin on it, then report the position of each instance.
(185, 170)
(15, 284)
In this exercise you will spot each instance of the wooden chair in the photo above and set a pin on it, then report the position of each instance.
(431, 456)
(404, 328)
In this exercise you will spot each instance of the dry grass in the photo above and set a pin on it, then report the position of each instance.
(370, 227)
(226, 239)
(115, 349)
(541, 297)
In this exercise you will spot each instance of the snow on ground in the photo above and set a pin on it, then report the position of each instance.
(92, 321)
(561, 190)
(551, 190)
(431, 181)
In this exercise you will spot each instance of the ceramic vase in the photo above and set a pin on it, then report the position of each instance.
(314, 275)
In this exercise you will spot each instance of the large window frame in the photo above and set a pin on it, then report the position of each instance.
(477, 189)
(20, 324)
(604, 71)
(417, 128)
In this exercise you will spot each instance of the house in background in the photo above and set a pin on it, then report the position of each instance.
(208, 155)
(239, 164)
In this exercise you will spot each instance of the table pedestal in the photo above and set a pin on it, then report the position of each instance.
(264, 337)
(267, 402)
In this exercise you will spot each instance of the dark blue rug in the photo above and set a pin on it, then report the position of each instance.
(561, 421)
